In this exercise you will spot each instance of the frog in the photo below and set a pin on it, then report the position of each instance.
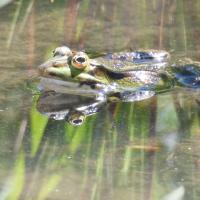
(112, 76)
(92, 82)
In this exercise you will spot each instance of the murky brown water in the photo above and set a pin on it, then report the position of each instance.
(143, 150)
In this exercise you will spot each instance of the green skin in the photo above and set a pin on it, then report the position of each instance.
(101, 72)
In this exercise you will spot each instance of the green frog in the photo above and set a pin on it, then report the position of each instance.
(112, 74)
(123, 76)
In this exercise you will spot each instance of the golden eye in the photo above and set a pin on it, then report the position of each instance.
(80, 60)
(75, 118)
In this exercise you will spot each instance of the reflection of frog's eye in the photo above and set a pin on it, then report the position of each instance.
(80, 60)
(62, 51)
(75, 118)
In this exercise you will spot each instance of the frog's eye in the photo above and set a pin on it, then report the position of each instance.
(62, 51)
(80, 60)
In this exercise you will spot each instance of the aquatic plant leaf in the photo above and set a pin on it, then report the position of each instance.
(14, 186)
(79, 135)
(38, 124)
(48, 186)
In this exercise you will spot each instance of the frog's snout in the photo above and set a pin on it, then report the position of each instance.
(43, 67)
(56, 62)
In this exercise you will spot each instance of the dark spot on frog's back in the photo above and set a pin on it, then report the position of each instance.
(111, 56)
(143, 55)
(122, 57)
(115, 75)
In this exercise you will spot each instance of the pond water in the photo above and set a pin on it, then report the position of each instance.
(141, 150)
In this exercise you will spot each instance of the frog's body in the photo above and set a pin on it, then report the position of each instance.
(125, 69)
(141, 59)
(112, 73)
(124, 76)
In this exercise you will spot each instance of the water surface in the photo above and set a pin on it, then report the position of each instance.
(141, 150)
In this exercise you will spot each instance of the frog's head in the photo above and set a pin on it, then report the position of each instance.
(69, 65)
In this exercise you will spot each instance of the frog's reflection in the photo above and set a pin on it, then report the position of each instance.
(64, 101)
(71, 108)
(75, 108)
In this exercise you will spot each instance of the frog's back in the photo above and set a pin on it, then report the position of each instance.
(136, 60)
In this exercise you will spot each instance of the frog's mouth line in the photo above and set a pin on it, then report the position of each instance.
(65, 73)
(54, 76)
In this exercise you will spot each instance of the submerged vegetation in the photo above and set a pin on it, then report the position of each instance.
(141, 150)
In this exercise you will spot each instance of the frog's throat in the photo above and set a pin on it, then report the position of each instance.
(75, 72)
